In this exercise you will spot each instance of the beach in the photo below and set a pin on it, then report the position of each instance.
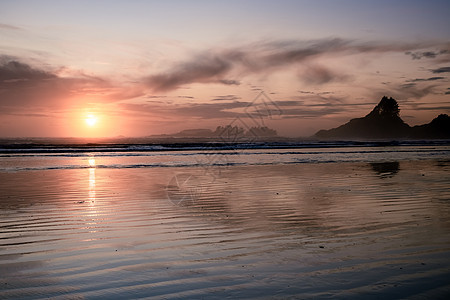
(113, 226)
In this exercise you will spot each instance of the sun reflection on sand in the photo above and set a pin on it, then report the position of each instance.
(92, 212)
(91, 181)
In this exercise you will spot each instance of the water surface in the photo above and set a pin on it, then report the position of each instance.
(108, 226)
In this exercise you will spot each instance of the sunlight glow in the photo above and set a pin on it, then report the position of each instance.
(91, 120)
(91, 162)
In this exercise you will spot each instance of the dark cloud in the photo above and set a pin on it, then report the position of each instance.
(441, 70)
(229, 82)
(288, 103)
(9, 27)
(31, 115)
(256, 88)
(207, 68)
(407, 85)
(23, 86)
(153, 96)
(426, 54)
(314, 93)
(12, 70)
(218, 66)
(321, 75)
(226, 98)
(426, 79)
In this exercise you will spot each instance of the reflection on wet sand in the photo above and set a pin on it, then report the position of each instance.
(305, 230)
(325, 198)
(92, 180)
(386, 169)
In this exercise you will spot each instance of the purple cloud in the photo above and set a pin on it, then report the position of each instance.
(225, 66)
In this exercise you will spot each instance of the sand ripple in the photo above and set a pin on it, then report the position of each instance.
(336, 230)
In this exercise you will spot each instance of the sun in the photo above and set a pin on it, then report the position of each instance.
(91, 120)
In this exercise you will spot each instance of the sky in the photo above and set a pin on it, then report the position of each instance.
(139, 68)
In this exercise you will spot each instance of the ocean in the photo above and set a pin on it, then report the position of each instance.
(208, 220)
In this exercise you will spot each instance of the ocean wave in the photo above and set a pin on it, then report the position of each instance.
(27, 148)
(216, 157)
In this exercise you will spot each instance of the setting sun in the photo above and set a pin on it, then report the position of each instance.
(91, 120)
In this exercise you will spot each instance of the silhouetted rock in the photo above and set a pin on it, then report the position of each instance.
(439, 128)
(384, 122)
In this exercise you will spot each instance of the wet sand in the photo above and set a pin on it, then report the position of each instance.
(329, 230)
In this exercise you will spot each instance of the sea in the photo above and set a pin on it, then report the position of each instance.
(212, 220)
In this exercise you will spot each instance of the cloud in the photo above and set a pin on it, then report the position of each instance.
(9, 27)
(30, 115)
(226, 98)
(320, 75)
(436, 108)
(405, 91)
(227, 66)
(208, 68)
(155, 96)
(426, 79)
(415, 92)
(426, 54)
(13, 70)
(426, 105)
(407, 85)
(304, 107)
(308, 112)
(229, 82)
(441, 70)
(26, 87)
(190, 110)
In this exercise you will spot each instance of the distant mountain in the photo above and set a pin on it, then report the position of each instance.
(228, 132)
(384, 122)
(239, 132)
(194, 133)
